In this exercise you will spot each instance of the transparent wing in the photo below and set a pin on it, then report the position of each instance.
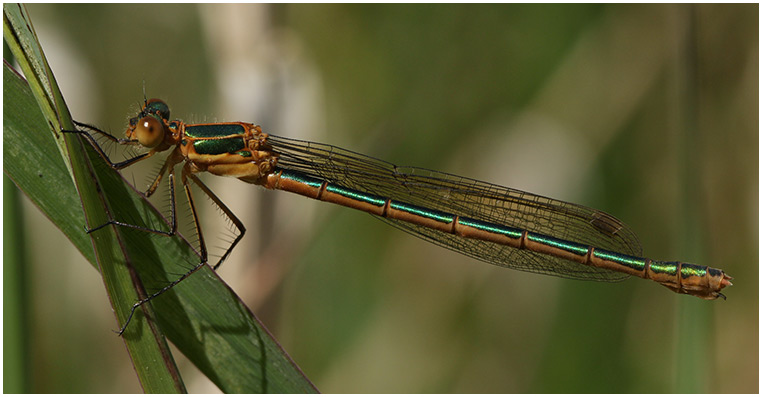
(468, 198)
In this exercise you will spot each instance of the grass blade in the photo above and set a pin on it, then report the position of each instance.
(202, 316)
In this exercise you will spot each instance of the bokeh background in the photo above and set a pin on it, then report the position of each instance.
(649, 112)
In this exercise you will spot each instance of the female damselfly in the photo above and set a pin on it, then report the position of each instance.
(498, 225)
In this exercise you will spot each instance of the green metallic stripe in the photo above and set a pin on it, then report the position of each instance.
(568, 246)
(712, 271)
(661, 267)
(214, 130)
(633, 262)
(300, 178)
(356, 195)
(219, 146)
(688, 270)
(369, 198)
(348, 193)
(424, 212)
(491, 227)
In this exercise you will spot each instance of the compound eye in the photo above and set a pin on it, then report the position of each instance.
(149, 132)
(157, 107)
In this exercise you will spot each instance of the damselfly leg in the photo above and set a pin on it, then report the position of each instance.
(90, 132)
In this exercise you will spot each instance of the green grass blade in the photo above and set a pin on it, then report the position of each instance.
(202, 316)
(16, 352)
(150, 353)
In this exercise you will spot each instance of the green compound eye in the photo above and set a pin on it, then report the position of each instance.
(157, 107)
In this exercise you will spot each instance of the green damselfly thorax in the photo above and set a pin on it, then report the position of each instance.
(498, 225)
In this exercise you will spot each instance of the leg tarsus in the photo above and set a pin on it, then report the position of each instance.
(156, 294)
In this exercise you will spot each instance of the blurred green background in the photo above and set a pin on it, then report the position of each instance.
(649, 112)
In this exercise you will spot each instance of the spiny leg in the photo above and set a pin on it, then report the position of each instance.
(121, 165)
(174, 158)
(169, 164)
(155, 184)
(94, 143)
(124, 164)
(231, 216)
(184, 177)
(186, 173)
(168, 167)
(157, 293)
(172, 232)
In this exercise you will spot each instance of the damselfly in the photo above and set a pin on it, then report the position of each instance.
(498, 225)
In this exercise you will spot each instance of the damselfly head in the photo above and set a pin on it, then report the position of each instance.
(148, 127)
